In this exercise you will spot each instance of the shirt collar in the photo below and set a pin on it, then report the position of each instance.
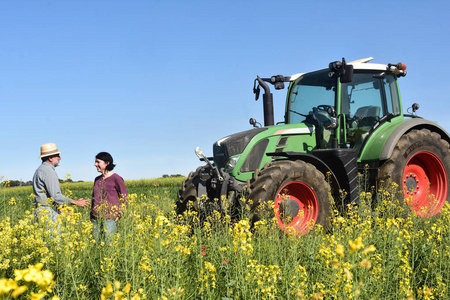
(46, 163)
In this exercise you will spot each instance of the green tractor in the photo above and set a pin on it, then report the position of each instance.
(338, 121)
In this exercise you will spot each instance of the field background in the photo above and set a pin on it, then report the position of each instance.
(371, 252)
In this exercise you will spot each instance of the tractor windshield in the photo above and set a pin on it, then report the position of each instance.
(310, 93)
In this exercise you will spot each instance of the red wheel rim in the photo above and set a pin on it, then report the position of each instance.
(425, 184)
(296, 207)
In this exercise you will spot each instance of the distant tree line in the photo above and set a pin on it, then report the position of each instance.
(29, 182)
(173, 175)
(19, 183)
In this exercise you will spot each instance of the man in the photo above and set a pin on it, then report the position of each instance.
(46, 184)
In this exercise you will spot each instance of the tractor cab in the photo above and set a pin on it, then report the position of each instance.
(344, 108)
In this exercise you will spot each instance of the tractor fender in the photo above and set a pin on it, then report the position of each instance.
(316, 162)
(416, 123)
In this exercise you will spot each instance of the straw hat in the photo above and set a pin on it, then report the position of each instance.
(48, 150)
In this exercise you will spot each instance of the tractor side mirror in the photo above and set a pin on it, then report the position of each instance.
(342, 70)
(256, 90)
(347, 76)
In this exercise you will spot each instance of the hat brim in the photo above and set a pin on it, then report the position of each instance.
(50, 153)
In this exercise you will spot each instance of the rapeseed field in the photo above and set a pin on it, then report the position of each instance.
(374, 250)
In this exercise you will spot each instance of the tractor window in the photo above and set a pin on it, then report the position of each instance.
(392, 99)
(362, 93)
(362, 105)
(311, 92)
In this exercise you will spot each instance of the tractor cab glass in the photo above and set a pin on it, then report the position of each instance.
(312, 101)
(310, 97)
(364, 101)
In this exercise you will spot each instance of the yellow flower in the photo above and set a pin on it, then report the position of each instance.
(118, 295)
(127, 288)
(369, 249)
(365, 263)
(340, 250)
(37, 296)
(19, 291)
(117, 285)
(355, 245)
(335, 263)
(6, 285)
(12, 201)
(348, 274)
(106, 291)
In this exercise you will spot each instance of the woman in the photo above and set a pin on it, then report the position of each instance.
(109, 195)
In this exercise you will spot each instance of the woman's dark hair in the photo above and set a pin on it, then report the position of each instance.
(106, 157)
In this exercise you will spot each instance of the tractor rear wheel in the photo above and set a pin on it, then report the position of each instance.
(299, 191)
(420, 165)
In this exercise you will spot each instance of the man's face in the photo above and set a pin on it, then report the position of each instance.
(54, 160)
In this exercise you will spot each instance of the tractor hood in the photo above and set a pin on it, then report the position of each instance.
(232, 145)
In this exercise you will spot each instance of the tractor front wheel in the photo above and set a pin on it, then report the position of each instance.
(420, 165)
(299, 192)
(188, 192)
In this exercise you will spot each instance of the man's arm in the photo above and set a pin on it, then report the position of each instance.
(54, 191)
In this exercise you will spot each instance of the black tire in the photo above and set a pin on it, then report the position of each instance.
(293, 186)
(189, 190)
(420, 165)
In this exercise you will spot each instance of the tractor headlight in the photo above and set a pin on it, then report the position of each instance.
(231, 163)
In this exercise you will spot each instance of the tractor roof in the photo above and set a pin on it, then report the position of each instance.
(360, 64)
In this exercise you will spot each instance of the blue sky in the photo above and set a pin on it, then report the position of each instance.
(148, 81)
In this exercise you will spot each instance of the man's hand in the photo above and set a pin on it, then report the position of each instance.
(81, 202)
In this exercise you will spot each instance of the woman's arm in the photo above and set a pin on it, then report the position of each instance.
(122, 189)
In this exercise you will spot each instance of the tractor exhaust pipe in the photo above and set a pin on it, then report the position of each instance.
(267, 103)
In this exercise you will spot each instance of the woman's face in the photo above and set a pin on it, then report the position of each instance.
(100, 165)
